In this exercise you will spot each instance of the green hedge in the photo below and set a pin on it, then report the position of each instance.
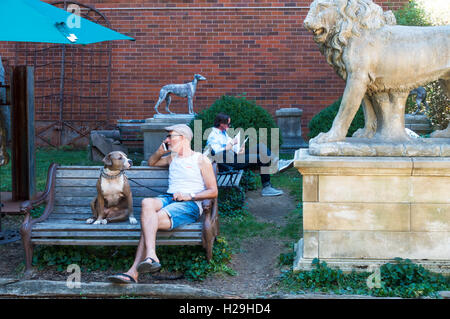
(244, 114)
(399, 278)
(322, 121)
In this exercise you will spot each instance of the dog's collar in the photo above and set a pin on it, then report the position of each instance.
(103, 174)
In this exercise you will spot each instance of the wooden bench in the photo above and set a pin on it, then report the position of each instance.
(67, 198)
(225, 179)
(228, 179)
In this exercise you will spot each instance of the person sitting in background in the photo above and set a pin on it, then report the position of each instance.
(221, 147)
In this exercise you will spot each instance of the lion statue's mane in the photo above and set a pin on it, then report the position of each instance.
(355, 16)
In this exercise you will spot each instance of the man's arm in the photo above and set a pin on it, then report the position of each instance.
(209, 178)
(157, 160)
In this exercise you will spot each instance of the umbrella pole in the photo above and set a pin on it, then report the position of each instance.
(22, 127)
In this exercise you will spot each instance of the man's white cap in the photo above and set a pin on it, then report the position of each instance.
(181, 129)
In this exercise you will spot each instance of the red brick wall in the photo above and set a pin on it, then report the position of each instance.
(256, 47)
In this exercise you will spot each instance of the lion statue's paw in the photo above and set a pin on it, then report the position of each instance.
(363, 133)
(327, 138)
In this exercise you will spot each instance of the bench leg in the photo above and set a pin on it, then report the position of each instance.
(209, 249)
(25, 232)
(209, 237)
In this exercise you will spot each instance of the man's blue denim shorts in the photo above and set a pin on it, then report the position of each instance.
(180, 213)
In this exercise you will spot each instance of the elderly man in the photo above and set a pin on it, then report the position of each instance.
(191, 180)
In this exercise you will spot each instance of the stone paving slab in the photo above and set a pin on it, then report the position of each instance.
(14, 288)
(46, 288)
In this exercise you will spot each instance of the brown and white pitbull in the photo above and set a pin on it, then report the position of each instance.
(114, 202)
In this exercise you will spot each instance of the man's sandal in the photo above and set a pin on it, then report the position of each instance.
(149, 265)
(117, 279)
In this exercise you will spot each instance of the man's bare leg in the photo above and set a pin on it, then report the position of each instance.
(149, 207)
(152, 219)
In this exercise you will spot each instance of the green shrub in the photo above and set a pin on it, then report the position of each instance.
(402, 278)
(249, 181)
(408, 280)
(439, 103)
(232, 202)
(189, 260)
(322, 121)
(244, 114)
(411, 14)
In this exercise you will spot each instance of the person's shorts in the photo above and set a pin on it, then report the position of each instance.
(180, 213)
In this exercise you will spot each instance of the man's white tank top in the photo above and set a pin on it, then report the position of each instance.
(185, 176)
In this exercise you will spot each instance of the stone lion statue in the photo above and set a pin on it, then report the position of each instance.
(380, 62)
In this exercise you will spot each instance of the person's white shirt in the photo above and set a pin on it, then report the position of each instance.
(218, 140)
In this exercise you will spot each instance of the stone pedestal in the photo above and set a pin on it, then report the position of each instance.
(360, 212)
(154, 133)
(289, 122)
(418, 123)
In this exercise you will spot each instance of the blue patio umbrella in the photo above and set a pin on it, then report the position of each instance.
(37, 21)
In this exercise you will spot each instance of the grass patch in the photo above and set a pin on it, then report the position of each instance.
(45, 157)
(294, 224)
(237, 229)
(289, 180)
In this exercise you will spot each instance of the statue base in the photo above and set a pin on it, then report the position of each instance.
(360, 212)
(352, 146)
(418, 123)
(289, 122)
(154, 132)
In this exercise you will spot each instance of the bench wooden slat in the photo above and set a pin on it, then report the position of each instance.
(90, 182)
(229, 178)
(73, 210)
(237, 180)
(80, 225)
(80, 217)
(113, 242)
(91, 192)
(220, 179)
(226, 180)
(95, 173)
(86, 201)
(107, 233)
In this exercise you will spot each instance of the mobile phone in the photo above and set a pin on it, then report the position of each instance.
(165, 146)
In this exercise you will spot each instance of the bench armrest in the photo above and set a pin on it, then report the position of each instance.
(47, 197)
(211, 212)
(210, 208)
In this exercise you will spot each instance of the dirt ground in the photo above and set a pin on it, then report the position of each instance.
(255, 262)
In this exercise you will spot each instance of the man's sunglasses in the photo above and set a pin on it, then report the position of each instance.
(172, 135)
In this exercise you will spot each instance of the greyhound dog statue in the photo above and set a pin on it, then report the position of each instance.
(421, 95)
(182, 90)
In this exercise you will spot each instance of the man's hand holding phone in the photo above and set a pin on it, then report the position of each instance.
(164, 147)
